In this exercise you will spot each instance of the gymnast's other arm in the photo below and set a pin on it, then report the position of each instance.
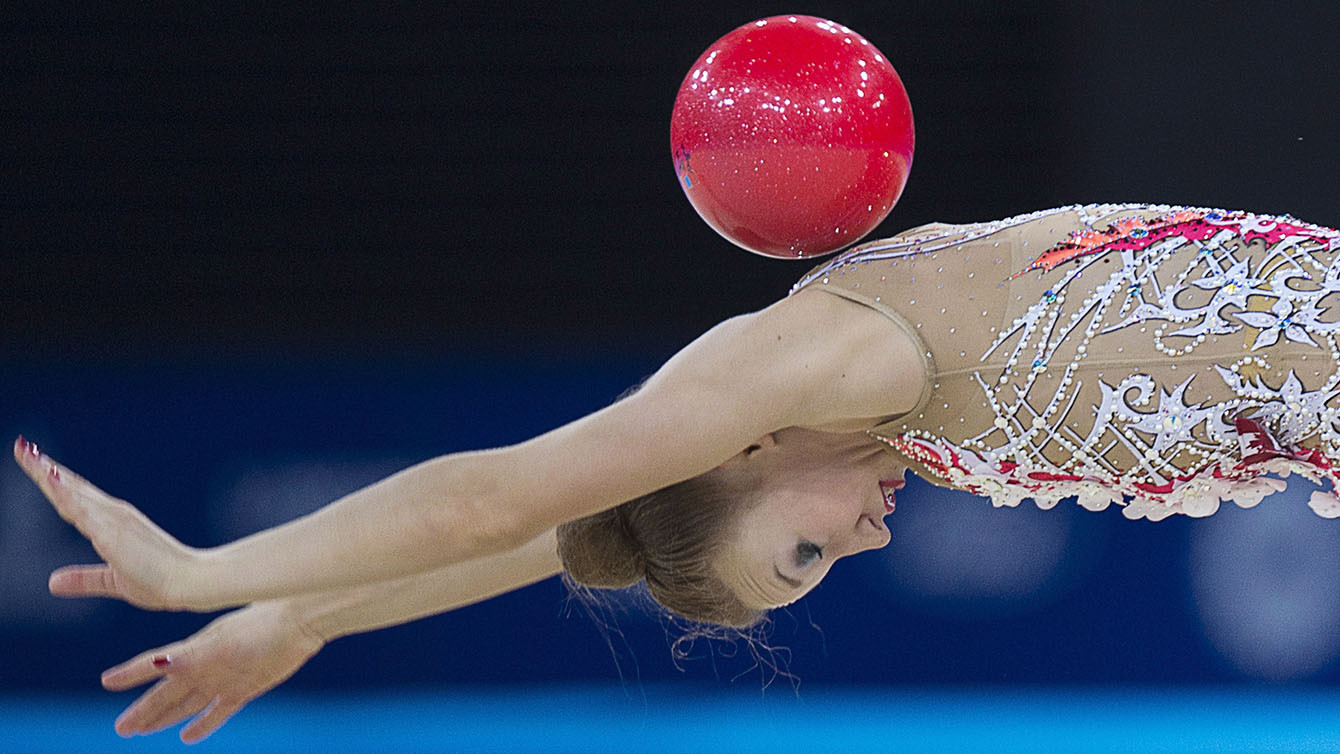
(245, 653)
(806, 361)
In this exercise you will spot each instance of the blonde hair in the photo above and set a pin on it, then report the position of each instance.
(669, 539)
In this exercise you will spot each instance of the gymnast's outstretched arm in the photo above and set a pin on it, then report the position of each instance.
(244, 654)
(806, 361)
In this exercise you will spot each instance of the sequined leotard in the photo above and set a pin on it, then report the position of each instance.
(1161, 358)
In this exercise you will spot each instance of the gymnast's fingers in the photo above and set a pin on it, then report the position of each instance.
(215, 716)
(84, 581)
(142, 668)
(54, 481)
(152, 705)
(188, 706)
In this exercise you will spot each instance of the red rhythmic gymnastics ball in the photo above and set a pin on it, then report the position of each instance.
(792, 136)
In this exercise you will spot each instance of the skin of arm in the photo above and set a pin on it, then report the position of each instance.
(329, 615)
(244, 654)
(807, 361)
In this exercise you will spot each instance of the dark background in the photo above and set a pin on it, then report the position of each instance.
(239, 244)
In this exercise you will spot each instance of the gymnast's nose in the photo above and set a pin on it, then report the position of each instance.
(870, 533)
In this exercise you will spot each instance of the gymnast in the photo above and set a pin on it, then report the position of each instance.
(1160, 359)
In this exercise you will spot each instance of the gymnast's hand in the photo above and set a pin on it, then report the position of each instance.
(214, 673)
(143, 564)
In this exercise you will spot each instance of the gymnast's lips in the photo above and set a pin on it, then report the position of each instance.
(888, 486)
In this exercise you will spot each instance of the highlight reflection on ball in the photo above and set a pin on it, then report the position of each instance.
(792, 136)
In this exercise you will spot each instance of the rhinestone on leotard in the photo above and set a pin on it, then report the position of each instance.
(1154, 285)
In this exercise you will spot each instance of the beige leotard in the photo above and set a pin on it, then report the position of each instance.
(1161, 358)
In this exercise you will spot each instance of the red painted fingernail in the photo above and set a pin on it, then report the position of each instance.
(55, 474)
(162, 661)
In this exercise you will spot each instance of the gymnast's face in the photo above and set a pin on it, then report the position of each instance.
(818, 498)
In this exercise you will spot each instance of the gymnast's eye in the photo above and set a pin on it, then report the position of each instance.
(808, 552)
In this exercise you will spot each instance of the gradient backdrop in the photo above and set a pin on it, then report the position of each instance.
(253, 261)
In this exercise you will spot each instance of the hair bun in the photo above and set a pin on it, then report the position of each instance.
(599, 551)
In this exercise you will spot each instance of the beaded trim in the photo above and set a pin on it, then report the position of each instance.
(1184, 456)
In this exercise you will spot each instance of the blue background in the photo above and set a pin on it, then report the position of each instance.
(253, 262)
